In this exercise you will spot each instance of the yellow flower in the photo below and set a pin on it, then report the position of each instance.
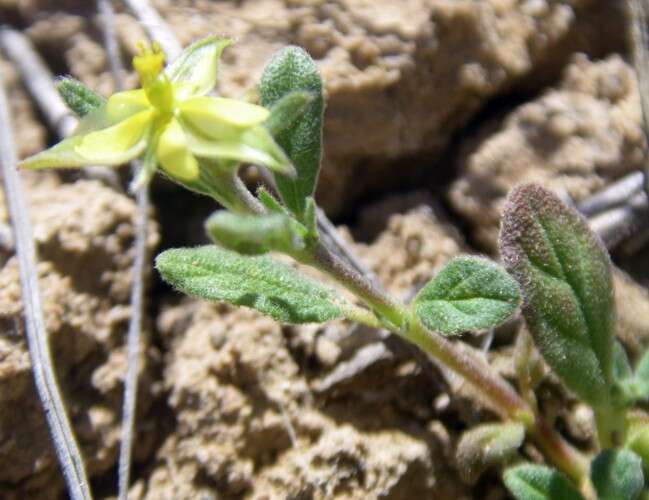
(171, 123)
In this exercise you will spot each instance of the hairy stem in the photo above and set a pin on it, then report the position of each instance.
(387, 309)
(498, 394)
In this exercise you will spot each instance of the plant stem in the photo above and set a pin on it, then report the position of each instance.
(495, 391)
(500, 395)
(378, 299)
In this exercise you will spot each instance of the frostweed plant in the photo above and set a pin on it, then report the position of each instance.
(552, 260)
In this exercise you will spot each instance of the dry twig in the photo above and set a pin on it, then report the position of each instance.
(65, 445)
(134, 336)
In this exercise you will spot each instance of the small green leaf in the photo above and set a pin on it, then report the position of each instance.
(641, 377)
(290, 70)
(637, 437)
(537, 482)
(79, 98)
(287, 110)
(469, 294)
(564, 272)
(255, 234)
(621, 365)
(261, 283)
(617, 475)
(622, 389)
(311, 218)
(487, 445)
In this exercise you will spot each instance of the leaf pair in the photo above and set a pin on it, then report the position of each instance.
(615, 475)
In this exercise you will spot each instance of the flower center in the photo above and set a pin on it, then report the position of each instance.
(149, 63)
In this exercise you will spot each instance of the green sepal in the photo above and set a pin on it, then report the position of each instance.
(270, 202)
(538, 482)
(272, 288)
(79, 98)
(311, 218)
(291, 70)
(617, 475)
(469, 294)
(256, 234)
(564, 272)
(486, 446)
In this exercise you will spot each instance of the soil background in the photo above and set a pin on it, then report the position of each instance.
(435, 109)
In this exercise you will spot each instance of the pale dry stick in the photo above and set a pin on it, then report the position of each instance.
(40, 84)
(640, 43)
(134, 335)
(66, 448)
(156, 27)
(613, 195)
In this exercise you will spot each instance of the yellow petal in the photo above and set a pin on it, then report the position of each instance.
(259, 138)
(236, 151)
(61, 155)
(174, 155)
(117, 144)
(118, 108)
(147, 168)
(221, 118)
(196, 66)
(124, 104)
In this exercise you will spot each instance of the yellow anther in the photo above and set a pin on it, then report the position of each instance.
(148, 62)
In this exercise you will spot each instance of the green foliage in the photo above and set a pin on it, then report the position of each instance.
(637, 437)
(79, 98)
(469, 294)
(537, 482)
(635, 387)
(564, 272)
(487, 445)
(617, 475)
(291, 70)
(621, 366)
(261, 283)
(254, 234)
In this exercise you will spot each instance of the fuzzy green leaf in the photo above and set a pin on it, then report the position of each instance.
(469, 294)
(564, 272)
(537, 482)
(79, 98)
(617, 475)
(487, 445)
(255, 234)
(261, 283)
(291, 70)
